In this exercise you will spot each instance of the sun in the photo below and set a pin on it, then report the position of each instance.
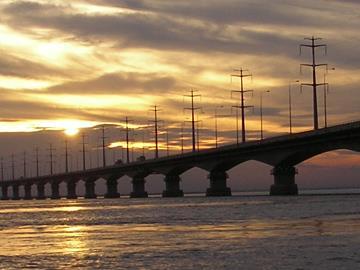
(71, 131)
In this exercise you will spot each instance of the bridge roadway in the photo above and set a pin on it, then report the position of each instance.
(283, 153)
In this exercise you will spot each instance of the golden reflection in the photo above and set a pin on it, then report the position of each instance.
(74, 239)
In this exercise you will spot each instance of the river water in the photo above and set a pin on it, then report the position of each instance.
(239, 232)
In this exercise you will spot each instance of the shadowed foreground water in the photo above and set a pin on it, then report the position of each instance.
(305, 232)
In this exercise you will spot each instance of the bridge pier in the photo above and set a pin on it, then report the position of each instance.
(218, 184)
(284, 181)
(90, 188)
(40, 191)
(138, 184)
(172, 186)
(71, 189)
(111, 186)
(55, 194)
(4, 192)
(15, 195)
(27, 191)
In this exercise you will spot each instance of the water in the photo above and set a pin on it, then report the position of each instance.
(241, 232)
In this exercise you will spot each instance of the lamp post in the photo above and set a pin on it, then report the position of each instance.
(290, 112)
(261, 113)
(326, 88)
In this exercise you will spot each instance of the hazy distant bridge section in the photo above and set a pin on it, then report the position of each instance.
(283, 153)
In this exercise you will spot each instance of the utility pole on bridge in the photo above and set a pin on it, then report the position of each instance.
(313, 65)
(66, 157)
(13, 166)
(83, 151)
(37, 161)
(103, 145)
(193, 109)
(51, 149)
(127, 130)
(24, 163)
(2, 169)
(156, 122)
(242, 73)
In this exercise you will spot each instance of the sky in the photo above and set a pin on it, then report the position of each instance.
(76, 65)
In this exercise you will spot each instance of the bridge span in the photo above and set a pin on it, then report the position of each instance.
(283, 153)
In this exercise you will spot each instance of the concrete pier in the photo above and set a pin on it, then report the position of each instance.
(41, 191)
(4, 192)
(15, 189)
(71, 189)
(90, 188)
(138, 184)
(27, 191)
(218, 184)
(55, 194)
(284, 181)
(172, 186)
(111, 187)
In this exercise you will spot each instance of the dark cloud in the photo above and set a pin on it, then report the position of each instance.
(161, 30)
(11, 65)
(112, 84)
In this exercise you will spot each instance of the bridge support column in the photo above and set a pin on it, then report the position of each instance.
(111, 185)
(138, 183)
(41, 191)
(15, 189)
(90, 188)
(218, 184)
(284, 181)
(55, 194)
(71, 189)
(27, 191)
(4, 192)
(172, 186)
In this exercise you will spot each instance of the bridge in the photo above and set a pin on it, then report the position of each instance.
(283, 153)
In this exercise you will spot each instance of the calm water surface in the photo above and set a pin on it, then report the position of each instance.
(252, 232)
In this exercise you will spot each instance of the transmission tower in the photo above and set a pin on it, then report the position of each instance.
(2, 169)
(103, 138)
(193, 109)
(51, 156)
(83, 150)
(156, 122)
(313, 65)
(13, 166)
(37, 161)
(24, 163)
(241, 74)
(66, 156)
(127, 130)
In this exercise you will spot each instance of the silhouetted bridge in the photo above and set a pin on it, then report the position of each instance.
(283, 153)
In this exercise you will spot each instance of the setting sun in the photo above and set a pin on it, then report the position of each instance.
(71, 131)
